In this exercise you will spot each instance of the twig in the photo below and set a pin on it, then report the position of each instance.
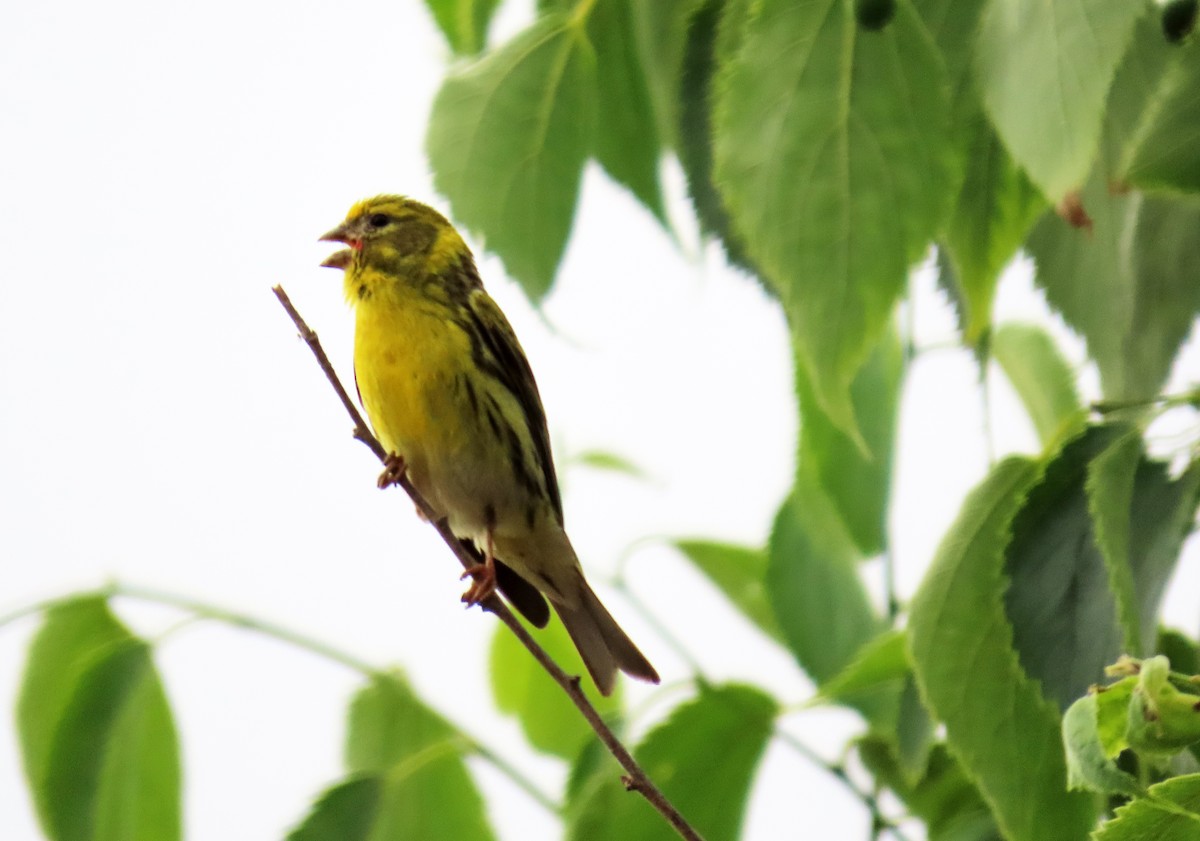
(635, 778)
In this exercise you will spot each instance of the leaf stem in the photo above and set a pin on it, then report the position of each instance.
(636, 778)
(879, 821)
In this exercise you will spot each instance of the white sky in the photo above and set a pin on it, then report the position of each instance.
(164, 164)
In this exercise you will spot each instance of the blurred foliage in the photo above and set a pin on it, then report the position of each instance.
(827, 146)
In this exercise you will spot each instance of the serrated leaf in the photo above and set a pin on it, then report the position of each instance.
(463, 22)
(345, 812)
(1063, 614)
(1128, 286)
(1164, 153)
(740, 573)
(1045, 70)
(1109, 487)
(1088, 767)
(426, 791)
(507, 140)
(993, 212)
(1004, 733)
(113, 767)
(1162, 515)
(520, 687)
(728, 722)
(858, 484)
(1170, 813)
(627, 144)
(812, 580)
(660, 30)
(97, 738)
(1042, 378)
(834, 157)
(701, 58)
(995, 203)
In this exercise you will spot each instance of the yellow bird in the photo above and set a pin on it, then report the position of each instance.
(452, 398)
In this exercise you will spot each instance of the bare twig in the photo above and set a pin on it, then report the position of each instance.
(635, 778)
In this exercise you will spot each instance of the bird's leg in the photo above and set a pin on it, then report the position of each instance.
(393, 471)
(484, 575)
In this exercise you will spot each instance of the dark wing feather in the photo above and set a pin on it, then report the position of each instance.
(498, 353)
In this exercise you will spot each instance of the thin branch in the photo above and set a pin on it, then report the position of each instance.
(635, 778)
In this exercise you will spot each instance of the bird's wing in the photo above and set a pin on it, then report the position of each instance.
(501, 357)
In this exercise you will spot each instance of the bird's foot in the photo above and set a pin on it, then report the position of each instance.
(393, 471)
(483, 585)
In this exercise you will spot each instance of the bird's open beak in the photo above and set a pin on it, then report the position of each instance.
(338, 259)
(339, 234)
(341, 259)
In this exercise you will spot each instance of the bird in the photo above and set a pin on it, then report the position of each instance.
(451, 397)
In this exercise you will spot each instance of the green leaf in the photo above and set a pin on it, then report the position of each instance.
(113, 769)
(1004, 733)
(740, 573)
(345, 812)
(703, 757)
(1162, 719)
(701, 58)
(1165, 152)
(994, 211)
(1180, 649)
(1088, 767)
(426, 791)
(507, 140)
(463, 22)
(72, 637)
(97, 738)
(879, 663)
(812, 581)
(1163, 512)
(1109, 487)
(943, 797)
(996, 203)
(1128, 286)
(1063, 614)
(660, 30)
(604, 460)
(1170, 813)
(834, 156)
(1045, 70)
(858, 484)
(1112, 715)
(627, 143)
(522, 688)
(1043, 379)
(953, 25)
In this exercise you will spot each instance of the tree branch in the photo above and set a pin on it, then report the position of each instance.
(635, 778)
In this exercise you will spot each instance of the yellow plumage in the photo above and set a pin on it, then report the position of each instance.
(448, 390)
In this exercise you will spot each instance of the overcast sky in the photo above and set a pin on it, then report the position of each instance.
(164, 164)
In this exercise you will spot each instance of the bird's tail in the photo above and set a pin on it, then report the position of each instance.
(605, 648)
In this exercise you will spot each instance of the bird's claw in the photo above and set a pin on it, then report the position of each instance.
(393, 471)
(483, 585)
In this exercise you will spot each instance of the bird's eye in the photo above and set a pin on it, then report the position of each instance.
(378, 220)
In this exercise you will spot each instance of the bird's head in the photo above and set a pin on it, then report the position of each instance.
(393, 234)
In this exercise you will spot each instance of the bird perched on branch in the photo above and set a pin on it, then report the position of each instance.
(452, 398)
